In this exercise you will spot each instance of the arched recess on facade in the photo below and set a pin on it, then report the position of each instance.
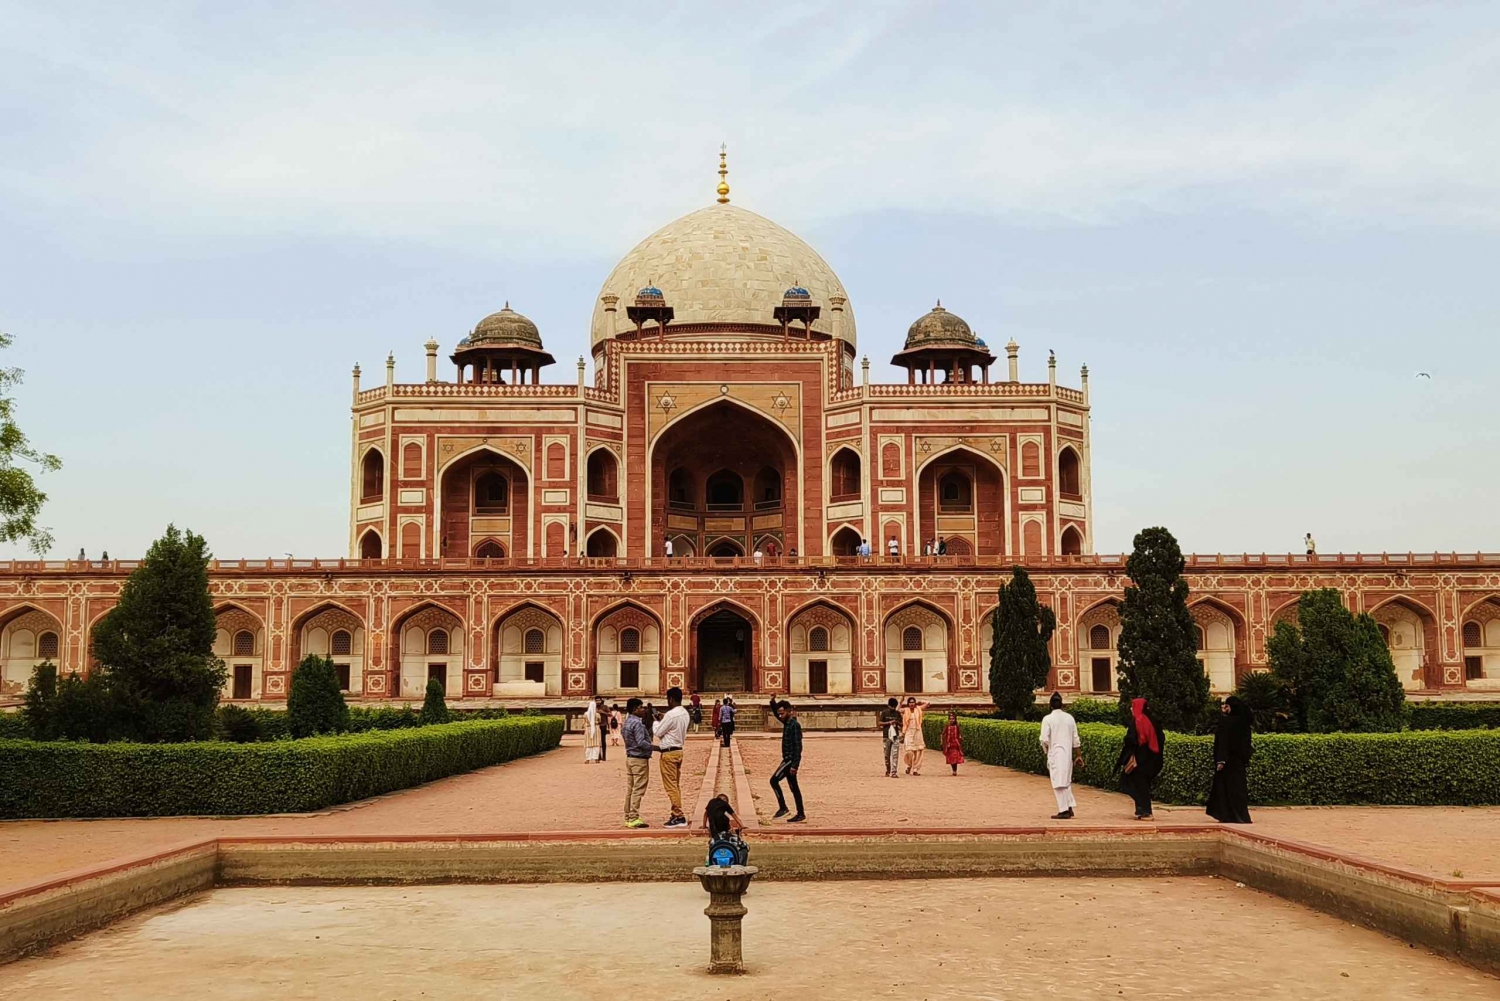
(974, 518)
(602, 543)
(701, 449)
(1222, 638)
(725, 642)
(918, 639)
(489, 549)
(1479, 641)
(29, 636)
(1097, 637)
(603, 472)
(627, 645)
(1070, 543)
(429, 641)
(844, 541)
(844, 481)
(527, 641)
(372, 476)
(822, 642)
(484, 492)
(1069, 474)
(337, 632)
(371, 546)
(1410, 630)
(240, 642)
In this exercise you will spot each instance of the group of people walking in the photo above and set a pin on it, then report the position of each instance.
(1140, 759)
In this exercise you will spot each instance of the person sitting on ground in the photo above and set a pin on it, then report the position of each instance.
(723, 826)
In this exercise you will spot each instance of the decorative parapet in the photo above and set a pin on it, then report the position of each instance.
(1108, 563)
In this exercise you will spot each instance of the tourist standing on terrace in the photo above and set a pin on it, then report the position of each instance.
(1140, 757)
(888, 722)
(912, 741)
(1063, 749)
(637, 762)
(791, 759)
(726, 719)
(671, 734)
(953, 750)
(1229, 798)
(593, 743)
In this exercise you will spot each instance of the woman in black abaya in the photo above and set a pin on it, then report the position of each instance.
(1229, 800)
(1141, 757)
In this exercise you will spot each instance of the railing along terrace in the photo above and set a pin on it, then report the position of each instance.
(1110, 563)
(603, 395)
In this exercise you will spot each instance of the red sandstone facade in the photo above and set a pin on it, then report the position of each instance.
(510, 537)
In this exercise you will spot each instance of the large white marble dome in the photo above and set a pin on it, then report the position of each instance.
(723, 264)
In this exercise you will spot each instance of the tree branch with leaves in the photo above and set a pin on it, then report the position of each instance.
(20, 500)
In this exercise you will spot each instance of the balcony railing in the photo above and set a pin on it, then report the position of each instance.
(1104, 563)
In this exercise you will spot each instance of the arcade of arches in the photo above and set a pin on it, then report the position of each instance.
(724, 482)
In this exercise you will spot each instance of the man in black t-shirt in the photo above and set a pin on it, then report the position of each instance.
(791, 758)
(888, 722)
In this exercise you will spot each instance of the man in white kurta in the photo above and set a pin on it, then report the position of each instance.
(1063, 749)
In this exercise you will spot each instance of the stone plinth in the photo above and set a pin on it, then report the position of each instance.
(725, 885)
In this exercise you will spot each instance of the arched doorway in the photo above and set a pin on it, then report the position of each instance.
(484, 497)
(961, 499)
(601, 544)
(725, 642)
(725, 472)
(845, 542)
(369, 545)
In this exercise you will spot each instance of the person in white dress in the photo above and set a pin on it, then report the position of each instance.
(592, 720)
(1064, 750)
(913, 743)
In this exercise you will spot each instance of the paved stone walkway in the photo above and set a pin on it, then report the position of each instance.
(841, 778)
(1076, 938)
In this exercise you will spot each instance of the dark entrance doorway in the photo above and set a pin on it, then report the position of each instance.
(724, 653)
(911, 671)
(817, 677)
(1103, 674)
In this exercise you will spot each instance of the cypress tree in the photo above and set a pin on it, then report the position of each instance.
(316, 704)
(1019, 661)
(434, 709)
(158, 644)
(1158, 643)
(1337, 668)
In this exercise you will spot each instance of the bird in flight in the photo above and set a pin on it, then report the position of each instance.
(1424, 375)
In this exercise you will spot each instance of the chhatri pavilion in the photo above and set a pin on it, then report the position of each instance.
(689, 510)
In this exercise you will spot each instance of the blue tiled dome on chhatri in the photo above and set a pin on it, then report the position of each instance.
(796, 292)
(650, 293)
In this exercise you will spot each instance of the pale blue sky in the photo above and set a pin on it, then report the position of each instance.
(1256, 224)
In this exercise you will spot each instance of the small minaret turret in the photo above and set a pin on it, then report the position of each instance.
(390, 370)
(356, 381)
(432, 350)
(1012, 352)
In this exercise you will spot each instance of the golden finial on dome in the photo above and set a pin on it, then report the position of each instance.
(723, 174)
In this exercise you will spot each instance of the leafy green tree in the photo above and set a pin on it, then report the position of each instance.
(1158, 643)
(434, 709)
(1337, 668)
(157, 644)
(20, 500)
(316, 704)
(1019, 662)
(1269, 700)
(40, 703)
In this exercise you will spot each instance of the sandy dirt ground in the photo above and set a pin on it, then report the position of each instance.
(841, 778)
(1016, 939)
(555, 791)
(844, 785)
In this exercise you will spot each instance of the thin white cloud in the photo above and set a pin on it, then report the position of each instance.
(577, 135)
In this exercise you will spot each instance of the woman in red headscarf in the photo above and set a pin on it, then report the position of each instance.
(1140, 757)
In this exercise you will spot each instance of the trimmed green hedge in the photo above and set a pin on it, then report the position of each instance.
(76, 779)
(13, 726)
(274, 724)
(1453, 715)
(1433, 768)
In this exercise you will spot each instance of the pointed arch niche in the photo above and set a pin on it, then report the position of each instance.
(821, 651)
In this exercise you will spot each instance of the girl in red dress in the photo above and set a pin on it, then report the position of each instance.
(953, 751)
